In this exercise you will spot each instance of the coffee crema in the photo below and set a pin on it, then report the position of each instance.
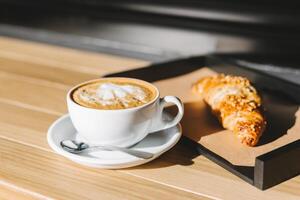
(114, 93)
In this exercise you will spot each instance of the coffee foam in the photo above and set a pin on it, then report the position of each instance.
(109, 93)
(112, 95)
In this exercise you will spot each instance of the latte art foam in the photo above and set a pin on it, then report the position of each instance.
(112, 95)
(109, 93)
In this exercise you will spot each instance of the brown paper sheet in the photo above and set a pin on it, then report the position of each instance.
(201, 126)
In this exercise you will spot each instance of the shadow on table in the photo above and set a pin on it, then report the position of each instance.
(181, 154)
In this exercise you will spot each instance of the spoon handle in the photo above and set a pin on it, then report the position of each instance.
(136, 153)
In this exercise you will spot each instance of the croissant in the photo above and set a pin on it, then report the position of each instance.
(236, 104)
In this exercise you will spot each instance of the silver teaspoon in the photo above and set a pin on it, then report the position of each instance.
(78, 147)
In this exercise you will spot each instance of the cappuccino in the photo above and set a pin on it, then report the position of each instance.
(114, 93)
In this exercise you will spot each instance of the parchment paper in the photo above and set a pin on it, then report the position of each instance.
(203, 127)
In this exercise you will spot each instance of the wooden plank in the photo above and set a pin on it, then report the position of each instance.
(205, 177)
(25, 125)
(53, 176)
(8, 193)
(64, 58)
(43, 72)
(194, 173)
(30, 92)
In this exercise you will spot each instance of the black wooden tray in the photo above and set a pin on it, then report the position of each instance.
(271, 168)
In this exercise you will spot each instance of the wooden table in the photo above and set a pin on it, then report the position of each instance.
(34, 79)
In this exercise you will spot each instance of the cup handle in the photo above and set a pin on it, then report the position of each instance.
(159, 123)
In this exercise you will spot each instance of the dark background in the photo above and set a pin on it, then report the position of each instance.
(260, 34)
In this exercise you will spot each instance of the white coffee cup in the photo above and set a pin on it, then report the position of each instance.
(122, 127)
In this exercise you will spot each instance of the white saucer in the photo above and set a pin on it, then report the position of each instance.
(156, 143)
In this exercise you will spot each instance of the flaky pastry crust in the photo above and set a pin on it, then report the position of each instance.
(236, 103)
